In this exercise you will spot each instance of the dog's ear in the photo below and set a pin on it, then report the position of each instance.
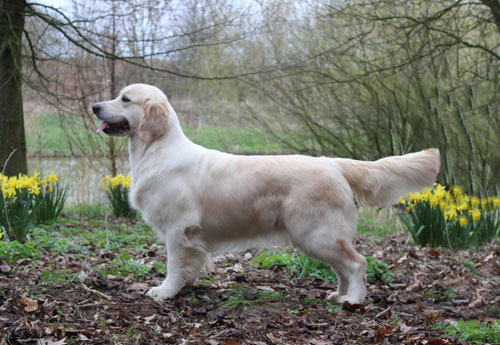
(155, 121)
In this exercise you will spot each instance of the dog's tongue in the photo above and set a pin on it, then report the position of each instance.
(103, 126)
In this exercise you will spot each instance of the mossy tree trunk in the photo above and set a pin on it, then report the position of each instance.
(12, 138)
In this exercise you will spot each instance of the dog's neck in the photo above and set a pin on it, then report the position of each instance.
(173, 140)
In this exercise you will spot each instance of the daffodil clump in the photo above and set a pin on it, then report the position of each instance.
(26, 200)
(450, 218)
(117, 188)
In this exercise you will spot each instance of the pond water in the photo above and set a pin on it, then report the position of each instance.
(83, 175)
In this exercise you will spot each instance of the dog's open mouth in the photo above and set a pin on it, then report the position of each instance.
(118, 128)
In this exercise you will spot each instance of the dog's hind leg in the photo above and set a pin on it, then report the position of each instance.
(185, 260)
(349, 265)
(327, 236)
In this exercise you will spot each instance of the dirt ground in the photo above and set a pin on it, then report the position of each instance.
(235, 303)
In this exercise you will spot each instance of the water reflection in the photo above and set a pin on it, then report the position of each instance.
(82, 174)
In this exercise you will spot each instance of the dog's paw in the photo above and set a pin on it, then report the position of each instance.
(349, 299)
(159, 293)
(334, 296)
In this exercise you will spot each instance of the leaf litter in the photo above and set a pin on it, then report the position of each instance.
(235, 303)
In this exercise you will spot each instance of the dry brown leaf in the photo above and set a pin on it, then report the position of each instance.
(48, 341)
(31, 305)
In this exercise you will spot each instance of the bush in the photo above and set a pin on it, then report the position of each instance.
(449, 218)
(117, 192)
(50, 202)
(26, 200)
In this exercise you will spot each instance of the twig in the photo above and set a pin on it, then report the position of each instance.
(97, 292)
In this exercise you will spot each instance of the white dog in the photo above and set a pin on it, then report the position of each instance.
(202, 200)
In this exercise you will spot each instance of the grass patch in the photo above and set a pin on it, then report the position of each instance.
(236, 140)
(85, 211)
(378, 222)
(48, 137)
(59, 277)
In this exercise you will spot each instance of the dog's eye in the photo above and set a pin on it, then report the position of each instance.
(125, 99)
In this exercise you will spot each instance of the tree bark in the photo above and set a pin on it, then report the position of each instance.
(12, 138)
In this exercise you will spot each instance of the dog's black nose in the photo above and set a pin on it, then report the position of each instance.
(96, 108)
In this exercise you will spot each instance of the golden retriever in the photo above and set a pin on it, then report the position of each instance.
(200, 200)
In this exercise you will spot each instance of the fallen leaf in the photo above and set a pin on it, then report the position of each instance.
(139, 287)
(319, 342)
(31, 305)
(5, 268)
(234, 341)
(265, 288)
(48, 341)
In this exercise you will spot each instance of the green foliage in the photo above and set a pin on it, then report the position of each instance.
(124, 265)
(475, 332)
(304, 266)
(377, 270)
(12, 251)
(85, 210)
(59, 277)
(451, 219)
(17, 215)
(53, 241)
(242, 297)
(377, 222)
(50, 202)
(25, 200)
(235, 140)
(117, 189)
(300, 264)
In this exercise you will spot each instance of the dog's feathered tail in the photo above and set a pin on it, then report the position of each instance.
(382, 182)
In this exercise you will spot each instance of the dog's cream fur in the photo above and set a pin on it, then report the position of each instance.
(200, 200)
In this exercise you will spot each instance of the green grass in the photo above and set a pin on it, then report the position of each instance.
(243, 297)
(85, 210)
(378, 222)
(59, 277)
(48, 137)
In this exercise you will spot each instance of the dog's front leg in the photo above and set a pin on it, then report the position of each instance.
(185, 260)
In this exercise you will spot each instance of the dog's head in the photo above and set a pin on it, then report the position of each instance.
(139, 109)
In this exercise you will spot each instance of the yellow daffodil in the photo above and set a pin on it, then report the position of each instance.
(475, 214)
(462, 220)
(52, 177)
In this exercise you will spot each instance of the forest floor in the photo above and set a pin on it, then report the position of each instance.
(68, 286)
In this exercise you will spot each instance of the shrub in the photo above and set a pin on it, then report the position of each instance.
(117, 192)
(50, 201)
(449, 218)
(26, 200)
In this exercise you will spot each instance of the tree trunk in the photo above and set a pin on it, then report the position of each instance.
(12, 136)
